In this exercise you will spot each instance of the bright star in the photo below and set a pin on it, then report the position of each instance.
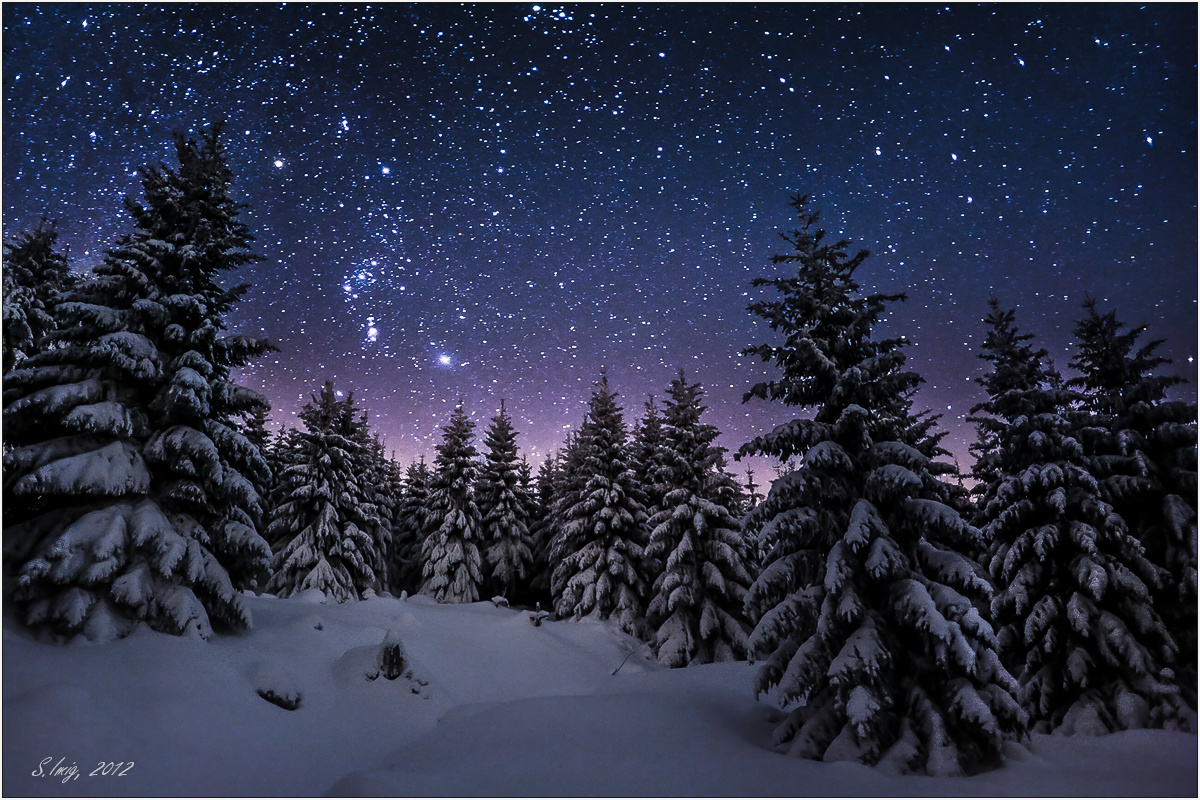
(444, 360)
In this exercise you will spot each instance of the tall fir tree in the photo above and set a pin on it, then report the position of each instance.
(750, 494)
(326, 525)
(757, 548)
(600, 536)
(453, 566)
(394, 481)
(36, 276)
(382, 487)
(867, 612)
(651, 456)
(1142, 448)
(505, 509)
(129, 491)
(1016, 368)
(254, 427)
(409, 526)
(567, 483)
(526, 481)
(541, 529)
(696, 610)
(284, 450)
(1073, 609)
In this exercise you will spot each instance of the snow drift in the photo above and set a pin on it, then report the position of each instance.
(484, 704)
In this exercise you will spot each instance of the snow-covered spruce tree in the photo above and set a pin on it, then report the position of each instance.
(651, 457)
(35, 278)
(1016, 367)
(504, 506)
(696, 610)
(324, 527)
(526, 482)
(254, 427)
(381, 483)
(756, 549)
(453, 568)
(598, 544)
(393, 482)
(567, 481)
(1145, 459)
(408, 529)
(1073, 606)
(541, 529)
(751, 496)
(284, 451)
(867, 612)
(128, 488)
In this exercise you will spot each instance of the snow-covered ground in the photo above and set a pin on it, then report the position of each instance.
(494, 706)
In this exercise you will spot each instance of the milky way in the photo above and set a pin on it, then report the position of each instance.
(475, 203)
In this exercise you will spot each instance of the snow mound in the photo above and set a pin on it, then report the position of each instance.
(276, 684)
(312, 596)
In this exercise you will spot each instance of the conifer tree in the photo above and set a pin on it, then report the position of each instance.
(696, 610)
(751, 494)
(394, 484)
(283, 451)
(599, 539)
(1016, 368)
(526, 482)
(129, 491)
(380, 483)
(757, 548)
(254, 428)
(541, 528)
(326, 525)
(408, 532)
(504, 507)
(867, 613)
(651, 456)
(1142, 449)
(453, 568)
(1073, 610)
(35, 278)
(567, 483)
(651, 471)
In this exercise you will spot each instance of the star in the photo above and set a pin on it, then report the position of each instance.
(602, 186)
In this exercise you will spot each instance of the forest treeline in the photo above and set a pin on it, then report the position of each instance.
(900, 617)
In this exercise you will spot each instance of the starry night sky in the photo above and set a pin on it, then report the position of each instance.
(486, 202)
